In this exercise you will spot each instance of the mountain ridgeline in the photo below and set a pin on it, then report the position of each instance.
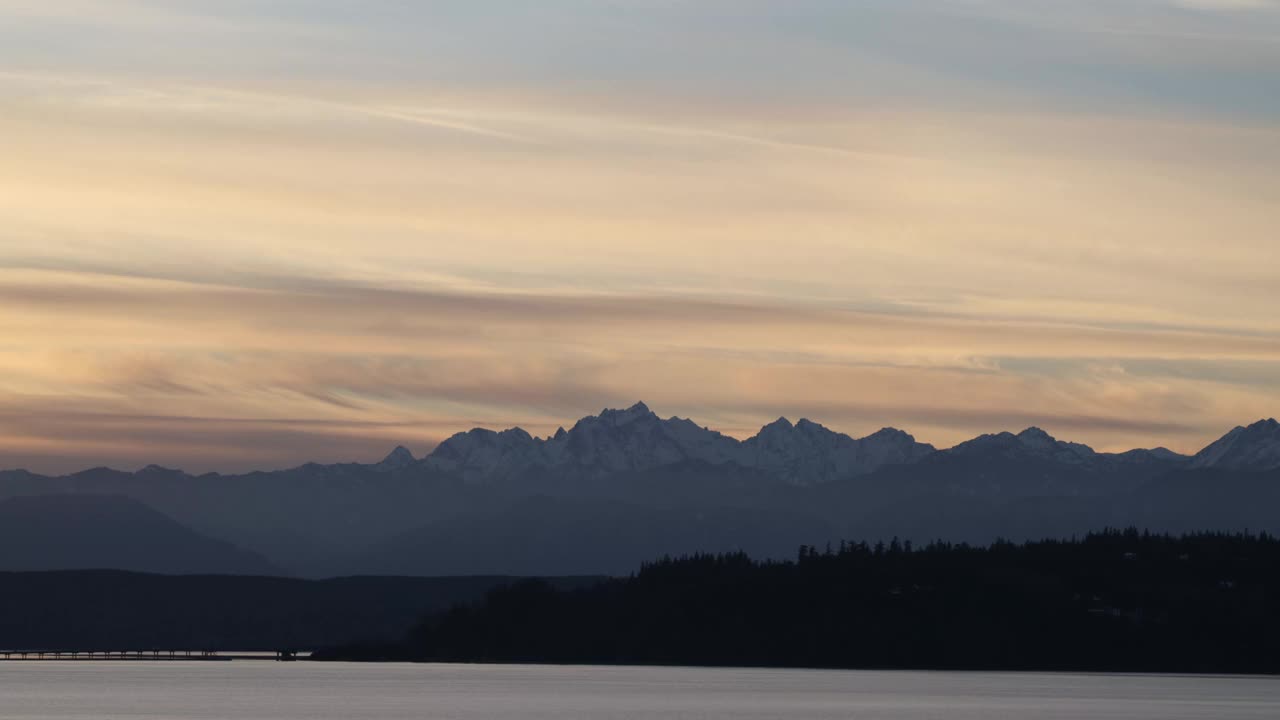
(625, 486)
(636, 439)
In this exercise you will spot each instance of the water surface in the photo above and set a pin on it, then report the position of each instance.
(318, 691)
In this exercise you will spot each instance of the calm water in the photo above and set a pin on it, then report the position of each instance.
(298, 691)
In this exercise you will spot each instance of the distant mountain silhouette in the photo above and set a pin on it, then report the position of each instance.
(80, 532)
(626, 485)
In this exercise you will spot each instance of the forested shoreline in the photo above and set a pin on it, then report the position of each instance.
(1110, 601)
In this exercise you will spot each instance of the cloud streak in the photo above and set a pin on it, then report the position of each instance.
(297, 231)
(374, 366)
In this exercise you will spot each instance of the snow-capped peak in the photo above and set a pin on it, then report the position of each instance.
(637, 439)
(1256, 447)
(808, 453)
(1034, 437)
(618, 418)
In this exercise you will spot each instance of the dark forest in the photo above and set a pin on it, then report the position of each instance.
(1111, 601)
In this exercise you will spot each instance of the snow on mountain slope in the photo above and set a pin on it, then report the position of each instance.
(1256, 447)
(808, 453)
(637, 439)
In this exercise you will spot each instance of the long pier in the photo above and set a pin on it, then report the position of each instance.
(143, 655)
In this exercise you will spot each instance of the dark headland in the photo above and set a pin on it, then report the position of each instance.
(110, 610)
(1113, 601)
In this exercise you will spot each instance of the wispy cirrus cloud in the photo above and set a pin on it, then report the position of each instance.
(373, 366)
(333, 229)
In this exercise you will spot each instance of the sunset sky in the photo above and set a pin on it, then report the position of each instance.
(240, 234)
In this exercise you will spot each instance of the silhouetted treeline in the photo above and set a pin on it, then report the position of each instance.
(1113, 601)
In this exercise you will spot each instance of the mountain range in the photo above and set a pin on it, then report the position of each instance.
(803, 453)
(625, 486)
(636, 439)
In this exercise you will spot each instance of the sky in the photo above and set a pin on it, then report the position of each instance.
(237, 234)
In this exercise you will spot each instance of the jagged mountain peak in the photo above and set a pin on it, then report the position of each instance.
(803, 453)
(809, 427)
(638, 439)
(639, 411)
(893, 437)
(614, 417)
(808, 453)
(1256, 447)
(465, 446)
(519, 433)
(891, 432)
(1037, 439)
(1034, 434)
